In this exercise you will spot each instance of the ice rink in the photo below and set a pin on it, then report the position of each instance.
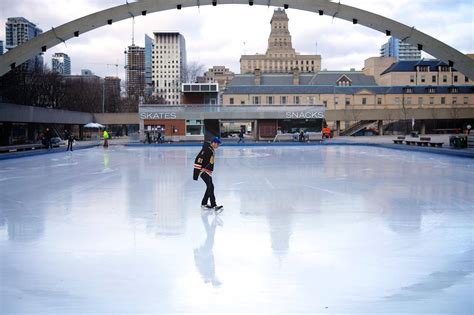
(306, 229)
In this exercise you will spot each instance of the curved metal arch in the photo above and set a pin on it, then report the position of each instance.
(376, 22)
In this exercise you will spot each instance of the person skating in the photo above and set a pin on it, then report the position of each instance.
(241, 136)
(106, 139)
(70, 139)
(203, 167)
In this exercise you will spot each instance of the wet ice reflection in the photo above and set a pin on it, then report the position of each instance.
(305, 229)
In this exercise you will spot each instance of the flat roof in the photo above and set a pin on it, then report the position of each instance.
(150, 111)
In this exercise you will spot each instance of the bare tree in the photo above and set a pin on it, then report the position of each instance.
(192, 70)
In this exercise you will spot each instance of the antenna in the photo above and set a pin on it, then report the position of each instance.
(245, 50)
(133, 31)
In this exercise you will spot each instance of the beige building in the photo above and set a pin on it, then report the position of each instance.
(280, 57)
(217, 74)
(416, 73)
(355, 95)
(168, 65)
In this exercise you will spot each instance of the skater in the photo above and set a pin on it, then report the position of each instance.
(106, 139)
(301, 135)
(148, 138)
(70, 139)
(47, 139)
(241, 136)
(203, 167)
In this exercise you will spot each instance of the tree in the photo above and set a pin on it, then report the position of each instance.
(191, 71)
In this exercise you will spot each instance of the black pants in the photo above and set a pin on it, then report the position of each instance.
(69, 145)
(209, 190)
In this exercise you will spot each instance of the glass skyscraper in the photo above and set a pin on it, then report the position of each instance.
(400, 50)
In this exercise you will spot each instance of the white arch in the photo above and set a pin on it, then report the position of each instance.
(377, 22)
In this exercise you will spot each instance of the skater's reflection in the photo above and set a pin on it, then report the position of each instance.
(203, 255)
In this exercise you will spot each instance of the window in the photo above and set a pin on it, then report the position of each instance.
(431, 90)
(433, 79)
(420, 100)
(431, 100)
(325, 103)
(348, 101)
(397, 101)
(379, 101)
(256, 100)
(311, 100)
(283, 100)
(412, 78)
(455, 100)
(443, 100)
(242, 102)
(466, 79)
(364, 101)
(453, 89)
(445, 78)
(296, 100)
(466, 100)
(336, 100)
(408, 100)
(423, 78)
(270, 100)
(231, 101)
(455, 78)
(408, 90)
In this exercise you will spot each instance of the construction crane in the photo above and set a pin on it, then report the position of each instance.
(116, 65)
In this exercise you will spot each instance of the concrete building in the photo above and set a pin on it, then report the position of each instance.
(19, 30)
(168, 65)
(400, 50)
(217, 74)
(148, 64)
(1, 47)
(61, 63)
(280, 56)
(135, 71)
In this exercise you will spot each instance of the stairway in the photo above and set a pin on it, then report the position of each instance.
(356, 127)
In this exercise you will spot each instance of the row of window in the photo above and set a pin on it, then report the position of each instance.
(270, 100)
(434, 79)
(286, 62)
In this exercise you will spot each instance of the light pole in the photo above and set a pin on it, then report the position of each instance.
(103, 96)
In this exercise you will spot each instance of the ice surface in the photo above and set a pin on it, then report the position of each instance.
(339, 229)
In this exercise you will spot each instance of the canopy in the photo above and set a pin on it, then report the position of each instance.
(94, 125)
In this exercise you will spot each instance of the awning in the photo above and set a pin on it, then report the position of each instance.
(231, 112)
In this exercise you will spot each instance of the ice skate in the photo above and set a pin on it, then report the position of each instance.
(206, 207)
(218, 209)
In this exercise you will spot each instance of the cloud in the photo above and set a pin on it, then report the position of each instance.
(216, 35)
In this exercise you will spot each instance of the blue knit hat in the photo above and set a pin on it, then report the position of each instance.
(216, 140)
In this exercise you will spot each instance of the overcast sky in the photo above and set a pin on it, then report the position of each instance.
(216, 35)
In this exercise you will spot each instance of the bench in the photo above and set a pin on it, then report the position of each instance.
(399, 140)
(424, 141)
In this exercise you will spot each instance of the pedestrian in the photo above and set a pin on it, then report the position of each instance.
(203, 167)
(106, 139)
(241, 136)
